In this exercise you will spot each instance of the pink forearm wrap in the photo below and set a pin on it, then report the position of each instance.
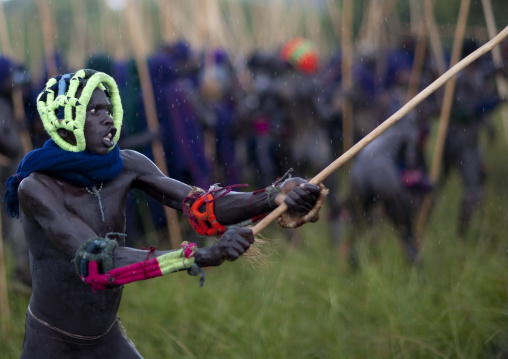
(150, 268)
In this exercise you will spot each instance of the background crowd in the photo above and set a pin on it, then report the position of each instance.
(252, 120)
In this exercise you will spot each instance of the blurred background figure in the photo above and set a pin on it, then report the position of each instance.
(221, 92)
(376, 178)
(366, 91)
(475, 99)
(260, 123)
(14, 81)
(388, 171)
(312, 131)
(182, 115)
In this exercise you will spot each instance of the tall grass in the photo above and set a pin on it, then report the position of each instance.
(308, 303)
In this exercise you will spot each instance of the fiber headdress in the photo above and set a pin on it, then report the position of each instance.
(60, 109)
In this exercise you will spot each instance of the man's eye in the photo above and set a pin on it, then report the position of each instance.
(93, 110)
(109, 112)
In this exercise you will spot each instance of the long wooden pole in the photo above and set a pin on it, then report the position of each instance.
(347, 74)
(4, 297)
(135, 29)
(19, 38)
(238, 28)
(320, 177)
(212, 37)
(79, 42)
(435, 40)
(119, 27)
(416, 70)
(498, 62)
(216, 26)
(167, 25)
(4, 34)
(47, 31)
(312, 21)
(415, 16)
(444, 118)
(17, 95)
(334, 17)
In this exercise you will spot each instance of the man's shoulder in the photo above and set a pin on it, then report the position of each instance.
(133, 160)
(131, 155)
(38, 183)
(38, 192)
(139, 167)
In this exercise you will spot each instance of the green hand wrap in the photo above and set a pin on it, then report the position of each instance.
(74, 109)
(96, 249)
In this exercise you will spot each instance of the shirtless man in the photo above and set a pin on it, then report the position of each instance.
(475, 99)
(65, 317)
(375, 178)
(389, 171)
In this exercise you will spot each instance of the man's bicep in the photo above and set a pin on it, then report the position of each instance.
(150, 179)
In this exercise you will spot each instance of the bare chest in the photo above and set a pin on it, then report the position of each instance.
(102, 207)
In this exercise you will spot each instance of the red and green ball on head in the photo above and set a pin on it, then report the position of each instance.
(301, 54)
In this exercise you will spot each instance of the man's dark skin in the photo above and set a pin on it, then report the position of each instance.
(58, 217)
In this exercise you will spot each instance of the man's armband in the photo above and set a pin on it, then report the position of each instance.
(92, 269)
(204, 223)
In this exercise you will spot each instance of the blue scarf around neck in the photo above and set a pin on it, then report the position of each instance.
(78, 168)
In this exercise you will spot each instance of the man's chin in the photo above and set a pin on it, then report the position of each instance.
(100, 150)
(108, 143)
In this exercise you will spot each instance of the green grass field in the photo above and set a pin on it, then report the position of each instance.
(307, 302)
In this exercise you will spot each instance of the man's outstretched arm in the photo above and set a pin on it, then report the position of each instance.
(229, 208)
(299, 195)
(93, 269)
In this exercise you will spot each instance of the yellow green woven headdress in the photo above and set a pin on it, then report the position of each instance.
(68, 112)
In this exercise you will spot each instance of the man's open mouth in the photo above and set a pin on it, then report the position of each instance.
(108, 138)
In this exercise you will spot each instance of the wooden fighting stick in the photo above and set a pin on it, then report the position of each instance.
(389, 122)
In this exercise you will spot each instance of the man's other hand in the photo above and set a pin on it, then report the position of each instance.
(231, 245)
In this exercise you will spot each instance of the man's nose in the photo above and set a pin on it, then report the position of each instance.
(108, 120)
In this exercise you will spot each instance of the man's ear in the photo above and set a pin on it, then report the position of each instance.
(67, 136)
